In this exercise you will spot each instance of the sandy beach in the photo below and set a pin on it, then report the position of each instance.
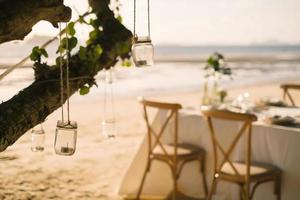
(97, 167)
(169, 51)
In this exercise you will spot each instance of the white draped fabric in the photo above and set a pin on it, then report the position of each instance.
(277, 145)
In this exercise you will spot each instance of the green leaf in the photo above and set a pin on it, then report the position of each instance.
(94, 23)
(98, 51)
(57, 60)
(82, 53)
(218, 56)
(70, 29)
(81, 19)
(119, 18)
(94, 34)
(44, 52)
(84, 90)
(122, 47)
(36, 49)
(210, 61)
(72, 42)
(37, 53)
(63, 46)
(126, 63)
(88, 42)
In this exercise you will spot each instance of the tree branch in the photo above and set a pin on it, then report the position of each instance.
(17, 17)
(33, 104)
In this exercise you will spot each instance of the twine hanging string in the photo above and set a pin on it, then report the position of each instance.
(67, 73)
(112, 101)
(108, 75)
(61, 76)
(134, 18)
(104, 98)
(149, 19)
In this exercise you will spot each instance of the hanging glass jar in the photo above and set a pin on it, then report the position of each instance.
(66, 131)
(142, 48)
(109, 128)
(109, 122)
(142, 52)
(109, 75)
(38, 139)
(65, 138)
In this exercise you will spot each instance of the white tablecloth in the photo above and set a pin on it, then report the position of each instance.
(271, 144)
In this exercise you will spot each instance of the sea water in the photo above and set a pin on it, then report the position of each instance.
(178, 69)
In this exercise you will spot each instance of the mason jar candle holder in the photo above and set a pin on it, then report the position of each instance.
(109, 76)
(109, 128)
(65, 138)
(37, 140)
(142, 52)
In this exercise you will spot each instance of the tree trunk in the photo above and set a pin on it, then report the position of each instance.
(33, 104)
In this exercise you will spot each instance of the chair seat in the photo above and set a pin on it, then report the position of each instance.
(257, 170)
(183, 151)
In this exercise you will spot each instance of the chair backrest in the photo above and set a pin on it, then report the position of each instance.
(154, 137)
(246, 120)
(286, 93)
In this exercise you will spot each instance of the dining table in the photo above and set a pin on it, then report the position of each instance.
(274, 144)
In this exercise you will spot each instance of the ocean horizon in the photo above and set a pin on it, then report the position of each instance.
(176, 68)
(13, 52)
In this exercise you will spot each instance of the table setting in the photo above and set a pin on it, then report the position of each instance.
(275, 139)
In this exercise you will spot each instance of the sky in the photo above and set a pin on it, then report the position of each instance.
(207, 22)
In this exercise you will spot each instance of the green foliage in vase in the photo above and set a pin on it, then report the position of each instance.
(222, 94)
(216, 66)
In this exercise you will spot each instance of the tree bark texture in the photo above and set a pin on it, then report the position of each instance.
(18, 16)
(33, 104)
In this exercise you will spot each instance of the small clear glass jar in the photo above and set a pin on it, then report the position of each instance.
(142, 52)
(65, 138)
(109, 128)
(38, 139)
(109, 76)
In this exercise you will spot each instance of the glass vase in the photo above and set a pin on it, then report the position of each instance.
(215, 100)
(205, 97)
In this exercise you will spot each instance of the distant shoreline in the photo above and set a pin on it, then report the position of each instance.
(263, 59)
(184, 59)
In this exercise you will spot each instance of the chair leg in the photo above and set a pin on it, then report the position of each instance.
(277, 187)
(174, 184)
(143, 180)
(247, 191)
(241, 191)
(212, 189)
(202, 170)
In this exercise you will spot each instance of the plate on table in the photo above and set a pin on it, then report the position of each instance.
(272, 102)
(281, 120)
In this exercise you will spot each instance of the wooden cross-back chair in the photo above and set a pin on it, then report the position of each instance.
(286, 91)
(175, 155)
(244, 172)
